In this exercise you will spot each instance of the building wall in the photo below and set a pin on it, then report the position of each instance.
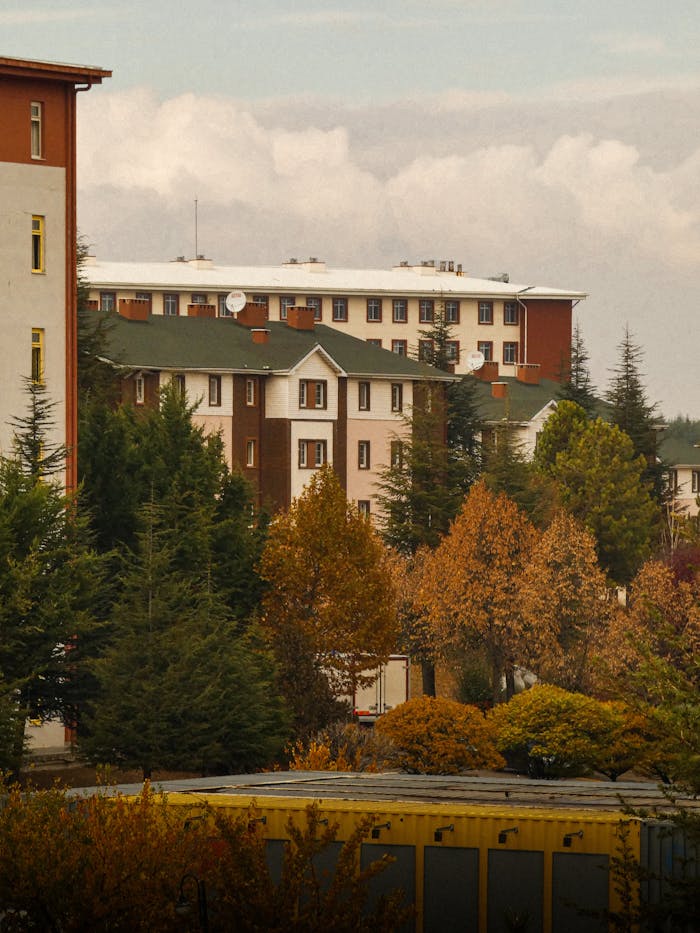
(31, 299)
(548, 335)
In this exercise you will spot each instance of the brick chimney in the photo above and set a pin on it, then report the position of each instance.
(300, 318)
(260, 335)
(488, 372)
(499, 389)
(529, 373)
(134, 309)
(253, 315)
(201, 310)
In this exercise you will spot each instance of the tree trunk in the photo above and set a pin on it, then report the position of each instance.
(428, 678)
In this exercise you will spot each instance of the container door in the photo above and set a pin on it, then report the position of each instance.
(579, 880)
(450, 890)
(515, 891)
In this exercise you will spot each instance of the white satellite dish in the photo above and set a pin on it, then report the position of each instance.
(235, 301)
(475, 360)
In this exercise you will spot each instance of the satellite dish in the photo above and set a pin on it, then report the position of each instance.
(475, 360)
(235, 301)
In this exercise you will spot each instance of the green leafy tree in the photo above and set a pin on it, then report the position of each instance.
(575, 378)
(557, 434)
(330, 602)
(601, 482)
(631, 411)
(179, 685)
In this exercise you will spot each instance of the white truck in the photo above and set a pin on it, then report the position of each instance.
(390, 687)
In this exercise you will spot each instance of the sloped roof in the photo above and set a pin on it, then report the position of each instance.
(299, 279)
(222, 345)
(679, 451)
(523, 401)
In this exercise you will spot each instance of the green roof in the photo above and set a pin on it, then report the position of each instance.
(679, 451)
(522, 402)
(222, 345)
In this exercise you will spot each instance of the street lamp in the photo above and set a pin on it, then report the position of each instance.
(184, 905)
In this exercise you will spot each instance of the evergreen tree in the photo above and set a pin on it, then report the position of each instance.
(506, 470)
(575, 378)
(557, 434)
(634, 414)
(179, 686)
(96, 378)
(37, 456)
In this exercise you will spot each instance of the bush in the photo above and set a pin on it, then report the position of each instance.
(104, 863)
(341, 747)
(432, 735)
(550, 732)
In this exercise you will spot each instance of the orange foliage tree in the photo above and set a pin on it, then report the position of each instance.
(330, 601)
(562, 596)
(102, 863)
(470, 585)
(432, 735)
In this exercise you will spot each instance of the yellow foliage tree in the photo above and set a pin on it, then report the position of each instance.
(470, 583)
(562, 596)
(330, 597)
(432, 735)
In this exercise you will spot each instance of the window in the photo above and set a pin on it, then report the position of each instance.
(485, 312)
(259, 300)
(37, 355)
(374, 341)
(510, 312)
(251, 451)
(108, 301)
(363, 397)
(37, 244)
(510, 352)
(399, 310)
(139, 389)
(171, 304)
(485, 347)
(426, 307)
(340, 309)
(312, 394)
(400, 347)
(396, 454)
(452, 351)
(312, 454)
(673, 481)
(316, 305)
(363, 455)
(425, 350)
(199, 298)
(251, 392)
(363, 507)
(374, 310)
(37, 135)
(286, 302)
(696, 481)
(145, 296)
(215, 391)
(179, 383)
(452, 312)
(221, 305)
(396, 396)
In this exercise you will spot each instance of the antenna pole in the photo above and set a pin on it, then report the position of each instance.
(196, 245)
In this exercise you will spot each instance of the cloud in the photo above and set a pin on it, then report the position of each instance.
(618, 43)
(19, 17)
(552, 197)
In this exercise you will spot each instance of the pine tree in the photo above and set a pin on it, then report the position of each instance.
(631, 411)
(575, 378)
(38, 457)
(507, 471)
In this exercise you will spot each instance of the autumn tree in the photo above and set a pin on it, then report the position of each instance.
(601, 482)
(562, 597)
(575, 378)
(330, 602)
(433, 735)
(470, 589)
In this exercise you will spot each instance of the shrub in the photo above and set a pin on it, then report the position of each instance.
(432, 735)
(550, 732)
(341, 747)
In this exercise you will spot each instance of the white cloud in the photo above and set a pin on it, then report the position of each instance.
(618, 43)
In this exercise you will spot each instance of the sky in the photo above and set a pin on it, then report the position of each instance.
(556, 141)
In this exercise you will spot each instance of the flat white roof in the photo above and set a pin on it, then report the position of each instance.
(302, 278)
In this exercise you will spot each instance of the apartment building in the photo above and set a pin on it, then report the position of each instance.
(510, 324)
(287, 396)
(38, 240)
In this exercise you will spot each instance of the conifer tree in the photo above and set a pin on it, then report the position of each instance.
(38, 457)
(575, 378)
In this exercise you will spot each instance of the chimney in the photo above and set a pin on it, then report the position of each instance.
(499, 389)
(260, 335)
(488, 372)
(529, 373)
(134, 309)
(253, 315)
(201, 310)
(300, 318)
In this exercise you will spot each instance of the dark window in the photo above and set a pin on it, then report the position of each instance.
(316, 305)
(485, 347)
(452, 351)
(108, 301)
(363, 507)
(400, 347)
(312, 454)
(312, 393)
(510, 352)
(363, 392)
(426, 308)
(171, 304)
(215, 391)
(374, 341)
(485, 312)
(425, 350)
(452, 312)
(363, 455)
(510, 312)
(199, 298)
(286, 302)
(340, 309)
(396, 396)
(374, 310)
(399, 310)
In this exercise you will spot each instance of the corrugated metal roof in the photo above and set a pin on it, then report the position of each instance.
(222, 345)
(298, 279)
